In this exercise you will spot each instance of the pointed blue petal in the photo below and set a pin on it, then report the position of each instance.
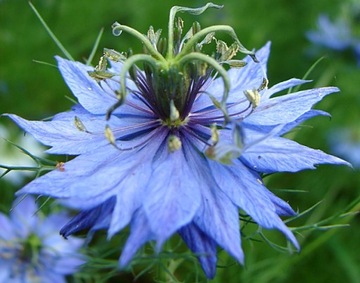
(249, 77)
(79, 181)
(287, 108)
(280, 87)
(252, 75)
(90, 219)
(276, 154)
(63, 135)
(203, 246)
(217, 216)
(140, 233)
(175, 195)
(247, 191)
(88, 92)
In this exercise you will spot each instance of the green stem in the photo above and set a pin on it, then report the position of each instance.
(213, 63)
(126, 67)
(201, 34)
(193, 11)
(52, 35)
(116, 26)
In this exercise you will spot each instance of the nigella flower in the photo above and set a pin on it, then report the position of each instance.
(31, 249)
(333, 35)
(345, 142)
(178, 146)
(336, 35)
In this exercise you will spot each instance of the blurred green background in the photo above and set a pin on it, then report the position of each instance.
(36, 91)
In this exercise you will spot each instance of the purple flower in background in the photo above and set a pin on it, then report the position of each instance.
(178, 146)
(31, 249)
(345, 142)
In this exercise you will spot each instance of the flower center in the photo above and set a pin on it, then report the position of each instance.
(30, 249)
(174, 69)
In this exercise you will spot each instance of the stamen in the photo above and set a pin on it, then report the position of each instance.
(174, 143)
(214, 134)
(79, 124)
(253, 96)
(110, 136)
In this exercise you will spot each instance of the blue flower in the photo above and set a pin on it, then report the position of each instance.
(337, 35)
(173, 148)
(345, 142)
(31, 249)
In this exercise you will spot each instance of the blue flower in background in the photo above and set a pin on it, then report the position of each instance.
(345, 142)
(31, 249)
(172, 148)
(336, 35)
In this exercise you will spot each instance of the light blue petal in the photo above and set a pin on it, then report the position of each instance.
(4, 272)
(132, 191)
(68, 265)
(140, 233)
(88, 92)
(217, 216)
(285, 128)
(79, 181)
(66, 137)
(91, 219)
(175, 195)
(23, 216)
(202, 246)
(7, 229)
(95, 97)
(276, 154)
(287, 108)
(51, 224)
(280, 87)
(89, 172)
(249, 77)
(252, 75)
(247, 191)
(63, 136)
(335, 35)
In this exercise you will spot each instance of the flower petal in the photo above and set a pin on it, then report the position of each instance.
(92, 219)
(174, 194)
(86, 174)
(140, 233)
(247, 191)
(217, 216)
(63, 135)
(287, 108)
(23, 216)
(89, 93)
(7, 230)
(202, 246)
(276, 154)
(280, 87)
